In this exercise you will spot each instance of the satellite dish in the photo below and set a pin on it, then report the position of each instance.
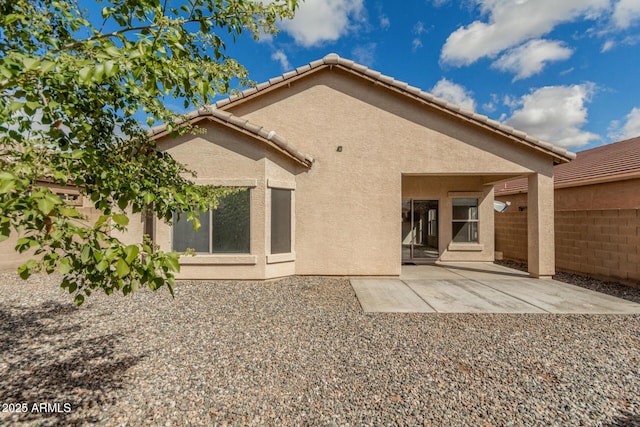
(501, 206)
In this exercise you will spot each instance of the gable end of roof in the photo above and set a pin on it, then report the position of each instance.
(240, 124)
(559, 154)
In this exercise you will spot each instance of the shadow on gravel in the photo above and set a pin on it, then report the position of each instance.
(47, 356)
(626, 419)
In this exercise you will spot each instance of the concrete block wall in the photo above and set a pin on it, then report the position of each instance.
(511, 235)
(599, 243)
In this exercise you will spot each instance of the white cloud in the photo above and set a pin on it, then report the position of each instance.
(419, 28)
(365, 54)
(319, 21)
(555, 114)
(631, 128)
(454, 93)
(607, 46)
(490, 107)
(416, 44)
(625, 13)
(531, 57)
(511, 23)
(385, 23)
(281, 57)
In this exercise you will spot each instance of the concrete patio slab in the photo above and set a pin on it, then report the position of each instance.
(468, 296)
(559, 297)
(480, 288)
(388, 296)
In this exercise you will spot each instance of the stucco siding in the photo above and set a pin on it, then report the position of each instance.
(333, 108)
(224, 157)
(363, 140)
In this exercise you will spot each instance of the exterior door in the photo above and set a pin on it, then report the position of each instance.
(419, 230)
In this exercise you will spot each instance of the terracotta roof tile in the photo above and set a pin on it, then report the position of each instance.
(560, 154)
(604, 163)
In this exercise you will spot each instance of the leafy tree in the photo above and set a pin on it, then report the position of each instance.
(69, 90)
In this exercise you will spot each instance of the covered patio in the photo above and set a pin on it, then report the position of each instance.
(480, 288)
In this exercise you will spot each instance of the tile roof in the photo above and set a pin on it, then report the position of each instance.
(609, 162)
(561, 155)
(270, 138)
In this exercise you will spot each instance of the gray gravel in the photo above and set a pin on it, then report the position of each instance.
(299, 351)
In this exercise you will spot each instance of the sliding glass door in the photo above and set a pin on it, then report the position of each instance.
(419, 230)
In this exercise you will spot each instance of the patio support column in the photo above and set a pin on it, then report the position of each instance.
(540, 226)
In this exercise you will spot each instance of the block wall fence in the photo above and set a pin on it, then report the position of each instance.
(600, 243)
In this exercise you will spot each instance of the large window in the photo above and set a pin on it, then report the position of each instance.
(280, 221)
(224, 230)
(465, 220)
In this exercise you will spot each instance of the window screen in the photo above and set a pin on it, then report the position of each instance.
(226, 229)
(280, 221)
(185, 237)
(231, 224)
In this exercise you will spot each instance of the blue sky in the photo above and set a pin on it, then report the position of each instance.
(567, 71)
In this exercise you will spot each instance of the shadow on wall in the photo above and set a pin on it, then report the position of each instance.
(43, 360)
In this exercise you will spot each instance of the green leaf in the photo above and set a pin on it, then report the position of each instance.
(85, 254)
(121, 219)
(26, 269)
(123, 202)
(113, 51)
(156, 283)
(48, 202)
(122, 268)
(5, 232)
(110, 69)
(47, 66)
(172, 262)
(102, 265)
(148, 198)
(16, 105)
(131, 252)
(11, 18)
(100, 221)
(70, 212)
(85, 74)
(98, 73)
(24, 243)
(78, 300)
(7, 182)
(30, 63)
(65, 266)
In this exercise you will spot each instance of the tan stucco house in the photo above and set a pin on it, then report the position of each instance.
(345, 171)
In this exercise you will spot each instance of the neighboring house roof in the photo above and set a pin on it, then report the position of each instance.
(611, 162)
(270, 138)
(559, 154)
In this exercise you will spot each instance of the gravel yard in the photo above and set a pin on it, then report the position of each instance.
(299, 351)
